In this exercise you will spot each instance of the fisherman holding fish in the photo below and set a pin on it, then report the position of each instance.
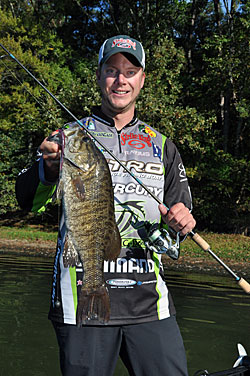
(109, 297)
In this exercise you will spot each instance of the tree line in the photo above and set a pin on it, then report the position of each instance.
(196, 90)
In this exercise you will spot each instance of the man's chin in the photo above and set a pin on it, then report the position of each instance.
(112, 108)
(120, 106)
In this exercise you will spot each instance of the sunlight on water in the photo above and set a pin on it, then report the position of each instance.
(212, 312)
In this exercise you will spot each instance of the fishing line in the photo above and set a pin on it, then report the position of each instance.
(18, 151)
(194, 236)
(81, 125)
(28, 91)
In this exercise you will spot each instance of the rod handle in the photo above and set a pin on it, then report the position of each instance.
(200, 241)
(244, 285)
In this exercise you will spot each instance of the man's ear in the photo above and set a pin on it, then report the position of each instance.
(143, 79)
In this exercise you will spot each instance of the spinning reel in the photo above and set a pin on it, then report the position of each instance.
(159, 241)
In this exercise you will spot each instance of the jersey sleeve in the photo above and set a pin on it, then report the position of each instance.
(176, 187)
(31, 193)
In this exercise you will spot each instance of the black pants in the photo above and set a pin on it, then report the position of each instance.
(152, 348)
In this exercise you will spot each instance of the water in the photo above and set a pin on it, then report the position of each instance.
(213, 314)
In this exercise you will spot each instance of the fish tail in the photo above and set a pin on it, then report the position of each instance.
(93, 305)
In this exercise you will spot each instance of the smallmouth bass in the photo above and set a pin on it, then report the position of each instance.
(86, 193)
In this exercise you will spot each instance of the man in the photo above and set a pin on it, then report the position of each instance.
(142, 328)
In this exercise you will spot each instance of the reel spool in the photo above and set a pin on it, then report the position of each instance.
(159, 241)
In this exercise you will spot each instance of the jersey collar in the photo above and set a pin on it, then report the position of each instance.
(100, 116)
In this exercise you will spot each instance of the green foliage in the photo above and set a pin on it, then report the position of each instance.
(221, 192)
(196, 90)
(27, 113)
(162, 87)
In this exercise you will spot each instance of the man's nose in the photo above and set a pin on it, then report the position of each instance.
(120, 78)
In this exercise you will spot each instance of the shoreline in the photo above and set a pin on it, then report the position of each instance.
(206, 264)
(28, 248)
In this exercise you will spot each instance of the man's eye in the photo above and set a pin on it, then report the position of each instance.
(110, 71)
(131, 73)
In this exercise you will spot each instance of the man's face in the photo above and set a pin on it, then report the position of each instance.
(120, 82)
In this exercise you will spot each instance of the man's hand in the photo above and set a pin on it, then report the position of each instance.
(51, 157)
(178, 218)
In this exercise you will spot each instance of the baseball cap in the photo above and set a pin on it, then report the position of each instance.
(122, 44)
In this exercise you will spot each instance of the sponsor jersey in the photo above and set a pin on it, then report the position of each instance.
(135, 281)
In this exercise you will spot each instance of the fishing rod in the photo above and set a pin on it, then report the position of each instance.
(28, 91)
(81, 124)
(158, 241)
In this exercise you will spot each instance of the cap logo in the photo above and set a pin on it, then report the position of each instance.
(124, 43)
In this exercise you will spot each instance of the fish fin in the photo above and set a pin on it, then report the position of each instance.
(79, 187)
(114, 249)
(93, 305)
(70, 255)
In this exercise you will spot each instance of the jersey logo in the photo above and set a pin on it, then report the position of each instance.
(182, 172)
(146, 129)
(121, 282)
(156, 151)
(89, 124)
(130, 215)
(137, 141)
(150, 131)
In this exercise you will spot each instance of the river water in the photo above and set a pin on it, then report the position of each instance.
(212, 312)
